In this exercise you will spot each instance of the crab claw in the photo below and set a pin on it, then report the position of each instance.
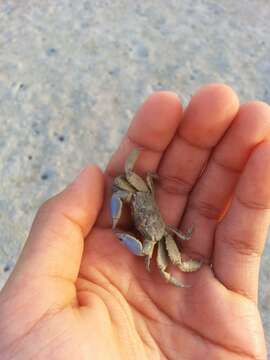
(116, 209)
(133, 244)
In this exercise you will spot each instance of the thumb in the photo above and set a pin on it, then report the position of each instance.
(55, 244)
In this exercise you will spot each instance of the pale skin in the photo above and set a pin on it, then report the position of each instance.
(77, 293)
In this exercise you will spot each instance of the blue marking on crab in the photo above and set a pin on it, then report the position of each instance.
(116, 207)
(134, 245)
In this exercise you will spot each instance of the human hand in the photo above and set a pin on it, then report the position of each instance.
(77, 293)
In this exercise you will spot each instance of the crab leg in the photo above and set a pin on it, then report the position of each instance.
(117, 203)
(150, 177)
(135, 180)
(175, 256)
(162, 263)
(180, 234)
(148, 248)
(134, 245)
(121, 183)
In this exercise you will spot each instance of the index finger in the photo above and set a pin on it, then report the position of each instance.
(151, 130)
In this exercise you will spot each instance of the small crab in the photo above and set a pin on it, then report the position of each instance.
(139, 194)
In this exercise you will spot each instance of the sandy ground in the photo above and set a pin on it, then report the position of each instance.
(73, 73)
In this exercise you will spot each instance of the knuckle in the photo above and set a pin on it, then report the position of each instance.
(206, 209)
(175, 185)
(241, 245)
(253, 204)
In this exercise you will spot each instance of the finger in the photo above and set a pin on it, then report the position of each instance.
(55, 244)
(240, 237)
(209, 114)
(151, 130)
(215, 187)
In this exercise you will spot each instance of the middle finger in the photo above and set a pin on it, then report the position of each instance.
(206, 119)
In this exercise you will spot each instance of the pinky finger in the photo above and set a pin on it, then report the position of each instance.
(240, 237)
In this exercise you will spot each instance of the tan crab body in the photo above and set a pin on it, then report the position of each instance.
(139, 194)
(146, 216)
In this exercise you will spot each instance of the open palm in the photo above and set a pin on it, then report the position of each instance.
(77, 293)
